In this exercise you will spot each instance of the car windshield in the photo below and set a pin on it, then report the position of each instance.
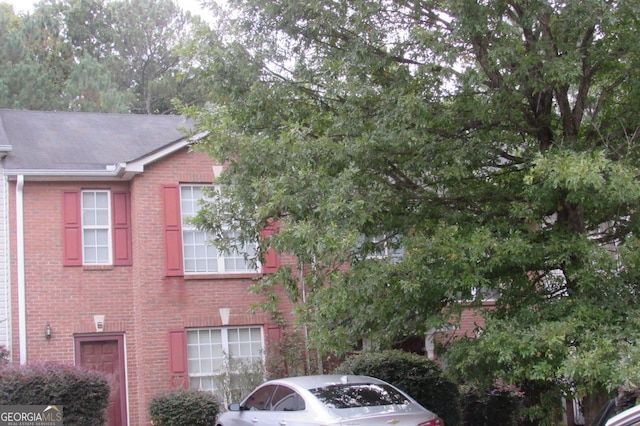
(353, 395)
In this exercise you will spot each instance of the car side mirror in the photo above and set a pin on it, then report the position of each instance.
(235, 407)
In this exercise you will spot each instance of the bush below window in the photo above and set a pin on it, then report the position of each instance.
(181, 407)
(83, 394)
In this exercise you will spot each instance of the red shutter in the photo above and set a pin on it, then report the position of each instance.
(172, 230)
(178, 358)
(271, 261)
(121, 228)
(72, 238)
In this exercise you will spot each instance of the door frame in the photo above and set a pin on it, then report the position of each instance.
(106, 337)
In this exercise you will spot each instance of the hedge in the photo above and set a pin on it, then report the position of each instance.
(180, 407)
(83, 394)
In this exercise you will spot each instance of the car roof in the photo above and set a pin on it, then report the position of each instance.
(632, 414)
(317, 381)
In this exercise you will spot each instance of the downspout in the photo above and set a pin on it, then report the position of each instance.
(22, 297)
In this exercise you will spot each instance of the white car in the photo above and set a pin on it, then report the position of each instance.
(328, 400)
(628, 417)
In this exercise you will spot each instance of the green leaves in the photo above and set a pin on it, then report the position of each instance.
(493, 142)
(93, 56)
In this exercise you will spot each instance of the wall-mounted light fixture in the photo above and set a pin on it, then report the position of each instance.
(99, 322)
(47, 331)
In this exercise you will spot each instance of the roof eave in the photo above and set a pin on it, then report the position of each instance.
(117, 172)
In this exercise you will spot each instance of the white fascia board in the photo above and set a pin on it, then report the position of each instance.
(112, 172)
(137, 166)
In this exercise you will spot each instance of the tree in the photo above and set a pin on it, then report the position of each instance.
(36, 59)
(147, 34)
(495, 142)
(92, 55)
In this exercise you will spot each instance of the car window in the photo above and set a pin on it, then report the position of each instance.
(358, 395)
(286, 399)
(259, 400)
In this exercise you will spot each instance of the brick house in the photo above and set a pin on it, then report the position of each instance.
(97, 266)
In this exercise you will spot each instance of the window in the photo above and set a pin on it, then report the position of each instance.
(382, 247)
(216, 355)
(358, 395)
(259, 400)
(199, 255)
(286, 399)
(96, 227)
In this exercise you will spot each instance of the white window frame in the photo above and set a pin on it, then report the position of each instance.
(196, 240)
(387, 252)
(95, 227)
(210, 375)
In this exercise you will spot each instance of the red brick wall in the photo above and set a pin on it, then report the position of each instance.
(137, 300)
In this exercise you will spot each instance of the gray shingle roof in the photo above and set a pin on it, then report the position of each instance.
(78, 141)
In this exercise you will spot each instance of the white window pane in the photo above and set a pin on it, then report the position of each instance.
(200, 252)
(234, 350)
(201, 265)
(102, 237)
(229, 265)
(218, 351)
(205, 351)
(189, 265)
(190, 252)
(207, 366)
(192, 338)
(102, 217)
(88, 200)
(194, 366)
(188, 237)
(102, 199)
(88, 218)
(90, 256)
(186, 208)
(218, 364)
(102, 255)
(90, 238)
(244, 334)
(245, 349)
(200, 238)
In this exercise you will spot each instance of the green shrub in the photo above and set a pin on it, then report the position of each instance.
(83, 394)
(417, 375)
(181, 407)
(499, 405)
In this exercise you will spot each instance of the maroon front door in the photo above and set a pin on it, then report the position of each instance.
(106, 354)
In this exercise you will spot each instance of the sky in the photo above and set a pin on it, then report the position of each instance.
(192, 6)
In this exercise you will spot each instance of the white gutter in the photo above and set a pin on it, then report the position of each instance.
(22, 300)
